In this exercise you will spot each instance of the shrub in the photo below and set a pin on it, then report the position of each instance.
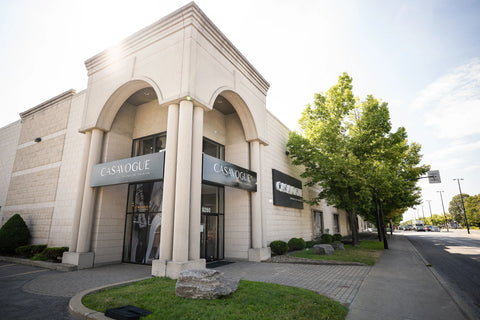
(51, 254)
(310, 244)
(337, 237)
(14, 233)
(296, 244)
(30, 250)
(279, 247)
(327, 238)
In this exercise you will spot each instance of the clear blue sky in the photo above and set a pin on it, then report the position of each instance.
(422, 57)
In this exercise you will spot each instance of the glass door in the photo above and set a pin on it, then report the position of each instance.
(212, 223)
(143, 222)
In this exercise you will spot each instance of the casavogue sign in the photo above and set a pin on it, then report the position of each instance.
(227, 174)
(137, 169)
(287, 191)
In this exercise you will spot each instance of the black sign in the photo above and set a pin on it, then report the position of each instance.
(137, 169)
(287, 191)
(226, 174)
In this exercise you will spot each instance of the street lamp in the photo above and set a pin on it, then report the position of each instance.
(430, 207)
(441, 198)
(463, 205)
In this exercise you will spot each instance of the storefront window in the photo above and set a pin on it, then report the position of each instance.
(150, 144)
(336, 223)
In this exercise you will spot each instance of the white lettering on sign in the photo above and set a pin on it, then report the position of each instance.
(232, 172)
(135, 166)
(288, 189)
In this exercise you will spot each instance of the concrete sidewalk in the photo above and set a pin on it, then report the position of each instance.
(402, 286)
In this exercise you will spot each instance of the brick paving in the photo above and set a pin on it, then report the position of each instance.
(339, 282)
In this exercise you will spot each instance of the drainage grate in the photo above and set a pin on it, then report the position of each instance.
(126, 313)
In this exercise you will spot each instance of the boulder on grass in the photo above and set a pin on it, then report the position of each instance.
(204, 284)
(323, 249)
(338, 246)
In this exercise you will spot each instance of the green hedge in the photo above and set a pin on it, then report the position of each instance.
(13, 234)
(50, 254)
(337, 237)
(279, 247)
(310, 244)
(30, 250)
(296, 244)
(327, 238)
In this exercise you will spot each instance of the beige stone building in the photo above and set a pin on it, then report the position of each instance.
(169, 157)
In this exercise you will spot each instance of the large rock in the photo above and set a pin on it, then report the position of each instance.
(204, 284)
(323, 249)
(338, 246)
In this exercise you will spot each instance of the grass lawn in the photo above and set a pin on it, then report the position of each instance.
(367, 253)
(252, 300)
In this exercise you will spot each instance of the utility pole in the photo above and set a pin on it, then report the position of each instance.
(423, 214)
(430, 207)
(441, 198)
(463, 205)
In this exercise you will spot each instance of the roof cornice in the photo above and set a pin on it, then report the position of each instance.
(49, 103)
(189, 15)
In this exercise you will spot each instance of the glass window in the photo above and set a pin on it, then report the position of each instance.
(336, 223)
(213, 149)
(150, 144)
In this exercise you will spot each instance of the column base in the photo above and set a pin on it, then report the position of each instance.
(259, 254)
(172, 269)
(83, 260)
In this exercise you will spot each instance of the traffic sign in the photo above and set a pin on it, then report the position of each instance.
(434, 176)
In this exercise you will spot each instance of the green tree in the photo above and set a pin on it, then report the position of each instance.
(472, 207)
(346, 147)
(456, 210)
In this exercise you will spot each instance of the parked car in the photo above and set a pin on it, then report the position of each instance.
(428, 228)
(401, 228)
(419, 227)
(409, 227)
(435, 229)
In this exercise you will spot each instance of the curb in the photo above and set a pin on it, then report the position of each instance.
(41, 264)
(79, 311)
(464, 308)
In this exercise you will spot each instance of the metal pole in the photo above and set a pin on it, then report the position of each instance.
(423, 214)
(430, 207)
(463, 205)
(441, 198)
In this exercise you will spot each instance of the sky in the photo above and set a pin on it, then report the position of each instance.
(420, 56)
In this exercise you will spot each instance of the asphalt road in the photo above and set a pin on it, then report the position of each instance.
(456, 258)
(16, 303)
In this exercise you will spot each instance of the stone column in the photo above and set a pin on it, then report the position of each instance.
(256, 196)
(89, 193)
(258, 252)
(79, 200)
(196, 184)
(83, 258)
(168, 201)
(182, 187)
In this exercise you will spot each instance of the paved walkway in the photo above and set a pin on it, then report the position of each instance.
(399, 286)
(338, 282)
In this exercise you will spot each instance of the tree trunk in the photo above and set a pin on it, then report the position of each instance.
(353, 227)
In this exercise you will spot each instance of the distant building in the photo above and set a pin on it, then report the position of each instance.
(169, 157)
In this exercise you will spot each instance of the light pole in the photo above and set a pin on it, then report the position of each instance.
(441, 198)
(423, 214)
(463, 205)
(430, 207)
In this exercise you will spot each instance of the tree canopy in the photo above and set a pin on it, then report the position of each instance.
(346, 146)
(456, 210)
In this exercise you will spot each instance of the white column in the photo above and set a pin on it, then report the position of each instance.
(256, 196)
(196, 184)
(89, 194)
(79, 200)
(182, 187)
(168, 202)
